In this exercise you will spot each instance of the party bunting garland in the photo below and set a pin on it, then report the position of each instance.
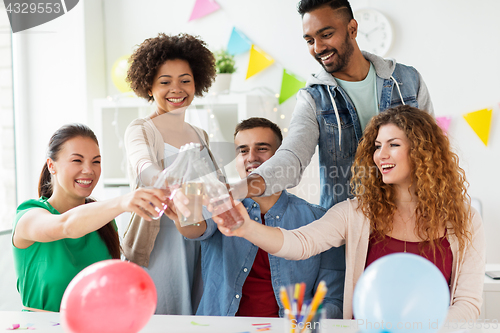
(444, 123)
(290, 84)
(203, 8)
(480, 122)
(238, 43)
(258, 61)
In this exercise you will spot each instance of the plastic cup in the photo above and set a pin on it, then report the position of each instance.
(225, 209)
(194, 193)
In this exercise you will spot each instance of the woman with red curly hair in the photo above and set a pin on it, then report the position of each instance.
(169, 70)
(410, 196)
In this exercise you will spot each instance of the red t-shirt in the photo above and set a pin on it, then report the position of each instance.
(257, 299)
(392, 245)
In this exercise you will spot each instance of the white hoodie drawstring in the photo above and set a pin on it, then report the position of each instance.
(337, 111)
(399, 90)
(338, 118)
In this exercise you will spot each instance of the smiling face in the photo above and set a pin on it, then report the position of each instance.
(77, 169)
(329, 37)
(173, 86)
(392, 155)
(253, 147)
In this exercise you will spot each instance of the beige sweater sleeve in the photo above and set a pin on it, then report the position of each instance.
(140, 141)
(467, 298)
(327, 232)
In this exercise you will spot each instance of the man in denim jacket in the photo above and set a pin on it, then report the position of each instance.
(241, 279)
(336, 104)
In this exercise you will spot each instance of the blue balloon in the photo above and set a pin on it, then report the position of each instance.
(401, 292)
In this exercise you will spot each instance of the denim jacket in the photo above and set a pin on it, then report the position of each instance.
(227, 261)
(320, 107)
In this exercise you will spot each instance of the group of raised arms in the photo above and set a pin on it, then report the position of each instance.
(390, 183)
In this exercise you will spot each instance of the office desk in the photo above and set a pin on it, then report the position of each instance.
(45, 322)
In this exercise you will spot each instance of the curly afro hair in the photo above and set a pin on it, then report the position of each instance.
(153, 53)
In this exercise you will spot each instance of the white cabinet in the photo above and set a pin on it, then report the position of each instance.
(216, 114)
(229, 110)
(111, 118)
(491, 295)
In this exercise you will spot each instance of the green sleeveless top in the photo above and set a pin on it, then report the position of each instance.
(44, 270)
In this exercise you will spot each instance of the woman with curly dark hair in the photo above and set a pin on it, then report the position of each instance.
(169, 70)
(410, 196)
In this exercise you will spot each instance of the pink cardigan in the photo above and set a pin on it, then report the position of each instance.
(344, 224)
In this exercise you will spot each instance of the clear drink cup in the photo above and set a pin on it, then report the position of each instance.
(224, 207)
(194, 193)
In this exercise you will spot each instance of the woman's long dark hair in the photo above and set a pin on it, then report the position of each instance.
(56, 143)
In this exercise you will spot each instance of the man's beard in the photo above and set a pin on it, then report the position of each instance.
(343, 57)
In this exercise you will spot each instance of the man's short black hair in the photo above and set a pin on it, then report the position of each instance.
(306, 6)
(254, 122)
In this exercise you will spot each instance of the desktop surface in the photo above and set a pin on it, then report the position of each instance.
(49, 322)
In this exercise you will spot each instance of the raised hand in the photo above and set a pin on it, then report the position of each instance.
(269, 239)
(148, 203)
(222, 225)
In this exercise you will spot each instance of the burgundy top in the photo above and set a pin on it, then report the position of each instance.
(392, 245)
(257, 299)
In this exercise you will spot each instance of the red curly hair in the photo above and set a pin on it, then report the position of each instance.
(440, 183)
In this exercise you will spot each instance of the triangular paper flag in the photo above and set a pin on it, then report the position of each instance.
(480, 122)
(238, 43)
(258, 61)
(203, 8)
(290, 84)
(444, 123)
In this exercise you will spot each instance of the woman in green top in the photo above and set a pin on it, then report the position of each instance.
(64, 231)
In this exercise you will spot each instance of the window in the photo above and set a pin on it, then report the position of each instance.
(7, 153)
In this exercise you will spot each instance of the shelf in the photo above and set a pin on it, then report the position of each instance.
(115, 182)
(217, 114)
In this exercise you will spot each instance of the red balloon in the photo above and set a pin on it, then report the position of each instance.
(110, 296)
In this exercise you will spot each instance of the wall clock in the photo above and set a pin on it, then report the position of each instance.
(374, 31)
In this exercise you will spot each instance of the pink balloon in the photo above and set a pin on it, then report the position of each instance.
(110, 296)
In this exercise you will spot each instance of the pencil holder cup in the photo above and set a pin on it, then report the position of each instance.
(296, 324)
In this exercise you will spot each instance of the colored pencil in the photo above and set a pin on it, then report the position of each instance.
(290, 290)
(302, 291)
(317, 299)
(303, 312)
(286, 302)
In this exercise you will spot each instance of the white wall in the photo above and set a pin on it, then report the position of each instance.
(7, 153)
(454, 44)
(58, 70)
(49, 90)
